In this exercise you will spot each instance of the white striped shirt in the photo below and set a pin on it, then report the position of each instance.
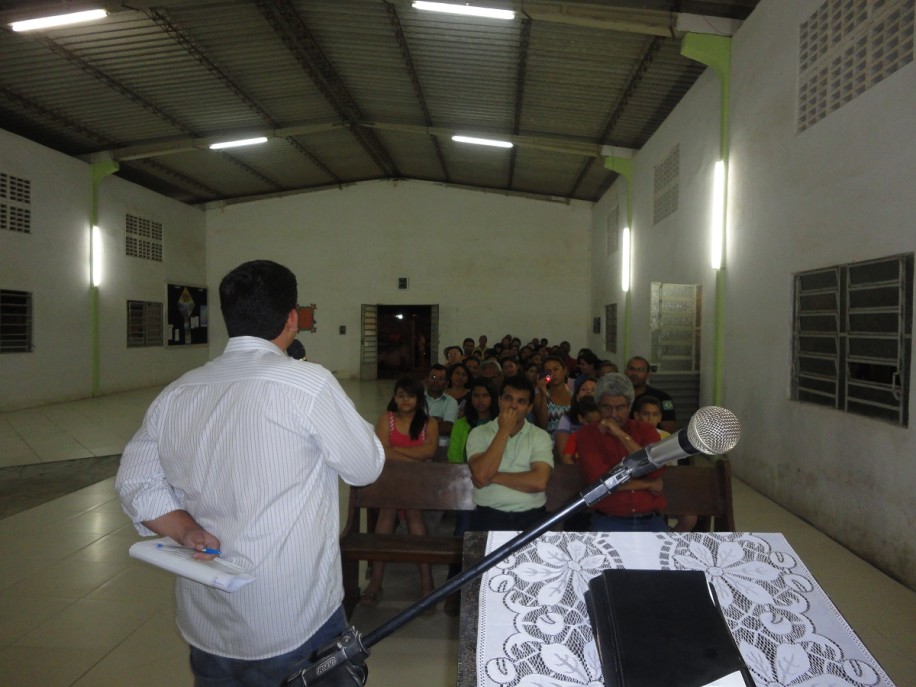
(252, 445)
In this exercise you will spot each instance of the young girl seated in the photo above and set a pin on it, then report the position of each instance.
(407, 433)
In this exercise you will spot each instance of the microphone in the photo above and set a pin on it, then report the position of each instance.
(712, 430)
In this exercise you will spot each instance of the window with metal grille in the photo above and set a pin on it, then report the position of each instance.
(15, 203)
(674, 326)
(845, 48)
(15, 321)
(610, 327)
(144, 238)
(144, 324)
(852, 337)
(665, 185)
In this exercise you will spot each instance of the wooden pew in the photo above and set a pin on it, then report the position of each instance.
(704, 491)
(403, 485)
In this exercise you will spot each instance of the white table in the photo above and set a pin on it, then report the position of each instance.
(533, 626)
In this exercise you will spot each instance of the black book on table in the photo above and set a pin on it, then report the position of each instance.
(660, 628)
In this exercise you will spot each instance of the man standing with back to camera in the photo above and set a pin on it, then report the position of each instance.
(244, 455)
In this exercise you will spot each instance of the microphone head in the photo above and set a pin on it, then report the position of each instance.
(713, 430)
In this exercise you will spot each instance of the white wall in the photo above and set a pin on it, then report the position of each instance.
(493, 263)
(52, 262)
(840, 192)
(130, 278)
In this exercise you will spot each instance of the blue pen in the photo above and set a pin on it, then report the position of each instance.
(213, 552)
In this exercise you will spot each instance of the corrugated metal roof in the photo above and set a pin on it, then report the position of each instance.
(350, 90)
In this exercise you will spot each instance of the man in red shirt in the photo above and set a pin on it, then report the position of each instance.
(637, 505)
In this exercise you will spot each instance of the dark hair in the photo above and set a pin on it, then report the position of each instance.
(448, 348)
(436, 366)
(590, 358)
(468, 339)
(412, 387)
(520, 383)
(556, 359)
(587, 405)
(646, 401)
(574, 407)
(296, 350)
(452, 368)
(256, 299)
(470, 412)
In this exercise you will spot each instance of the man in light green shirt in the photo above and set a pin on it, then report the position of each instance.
(511, 461)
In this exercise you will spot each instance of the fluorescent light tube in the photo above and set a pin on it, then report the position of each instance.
(96, 256)
(238, 143)
(625, 260)
(466, 10)
(58, 20)
(482, 141)
(717, 221)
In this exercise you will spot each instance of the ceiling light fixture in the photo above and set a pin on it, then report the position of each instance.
(482, 141)
(58, 20)
(626, 259)
(238, 143)
(466, 10)
(717, 221)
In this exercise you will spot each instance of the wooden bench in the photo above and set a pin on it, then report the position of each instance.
(704, 491)
(422, 486)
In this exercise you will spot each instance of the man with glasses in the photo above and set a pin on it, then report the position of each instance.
(638, 370)
(439, 404)
(637, 505)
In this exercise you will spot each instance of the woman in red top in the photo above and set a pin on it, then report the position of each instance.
(407, 433)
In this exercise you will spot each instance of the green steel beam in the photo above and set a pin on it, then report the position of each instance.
(99, 170)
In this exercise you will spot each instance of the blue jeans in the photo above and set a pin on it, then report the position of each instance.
(211, 670)
(612, 523)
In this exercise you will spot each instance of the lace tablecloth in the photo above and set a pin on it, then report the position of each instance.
(534, 630)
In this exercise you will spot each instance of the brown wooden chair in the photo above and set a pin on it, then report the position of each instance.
(704, 491)
(403, 485)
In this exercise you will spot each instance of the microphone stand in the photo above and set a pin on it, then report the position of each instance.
(343, 663)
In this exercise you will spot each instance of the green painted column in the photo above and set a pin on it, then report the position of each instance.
(715, 52)
(624, 167)
(99, 170)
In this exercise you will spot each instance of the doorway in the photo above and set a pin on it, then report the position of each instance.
(398, 340)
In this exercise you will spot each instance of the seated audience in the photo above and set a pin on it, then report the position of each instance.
(473, 365)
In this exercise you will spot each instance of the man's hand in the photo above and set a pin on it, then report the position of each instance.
(181, 527)
(507, 420)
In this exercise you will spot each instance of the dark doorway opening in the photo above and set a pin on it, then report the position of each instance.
(404, 340)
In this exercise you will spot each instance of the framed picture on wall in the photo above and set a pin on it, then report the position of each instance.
(188, 315)
(307, 322)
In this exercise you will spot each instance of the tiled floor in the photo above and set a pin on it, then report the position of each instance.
(75, 610)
